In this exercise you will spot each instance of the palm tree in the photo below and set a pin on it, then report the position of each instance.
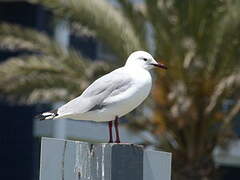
(199, 41)
(45, 73)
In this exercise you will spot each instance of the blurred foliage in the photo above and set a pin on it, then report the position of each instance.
(45, 72)
(198, 40)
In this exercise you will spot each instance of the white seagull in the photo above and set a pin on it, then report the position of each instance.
(113, 95)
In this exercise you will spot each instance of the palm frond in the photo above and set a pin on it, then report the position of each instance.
(80, 30)
(227, 83)
(112, 28)
(232, 113)
(15, 37)
(34, 78)
(225, 31)
(48, 69)
(136, 16)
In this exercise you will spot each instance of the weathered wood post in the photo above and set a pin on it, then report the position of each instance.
(75, 160)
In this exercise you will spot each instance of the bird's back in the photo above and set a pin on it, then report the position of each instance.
(124, 91)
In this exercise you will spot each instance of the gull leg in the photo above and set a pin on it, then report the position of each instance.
(116, 130)
(110, 132)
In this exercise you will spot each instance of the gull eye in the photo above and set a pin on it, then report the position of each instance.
(145, 59)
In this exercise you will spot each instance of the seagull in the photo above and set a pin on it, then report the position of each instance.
(112, 95)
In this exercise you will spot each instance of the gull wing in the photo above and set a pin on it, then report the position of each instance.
(94, 97)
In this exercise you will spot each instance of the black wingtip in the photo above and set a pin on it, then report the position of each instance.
(43, 117)
(40, 117)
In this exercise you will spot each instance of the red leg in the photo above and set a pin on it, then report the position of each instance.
(116, 130)
(110, 132)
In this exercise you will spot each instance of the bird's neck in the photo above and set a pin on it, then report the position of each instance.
(137, 71)
(134, 66)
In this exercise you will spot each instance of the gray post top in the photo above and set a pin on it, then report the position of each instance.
(46, 139)
(71, 160)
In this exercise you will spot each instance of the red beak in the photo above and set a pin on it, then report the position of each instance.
(159, 65)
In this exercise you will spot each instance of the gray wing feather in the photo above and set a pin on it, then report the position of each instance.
(92, 98)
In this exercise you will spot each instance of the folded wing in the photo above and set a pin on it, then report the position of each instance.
(96, 95)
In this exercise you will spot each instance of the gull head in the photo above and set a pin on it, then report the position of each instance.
(143, 60)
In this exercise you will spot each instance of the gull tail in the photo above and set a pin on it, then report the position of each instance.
(47, 115)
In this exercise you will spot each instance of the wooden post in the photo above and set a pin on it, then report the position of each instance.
(75, 160)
